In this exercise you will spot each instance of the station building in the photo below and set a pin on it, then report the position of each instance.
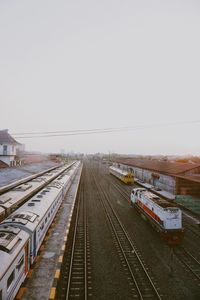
(9, 148)
(173, 177)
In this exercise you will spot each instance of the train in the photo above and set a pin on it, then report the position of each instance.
(126, 177)
(22, 233)
(12, 199)
(164, 216)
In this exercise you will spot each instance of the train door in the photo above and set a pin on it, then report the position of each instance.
(26, 250)
(34, 245)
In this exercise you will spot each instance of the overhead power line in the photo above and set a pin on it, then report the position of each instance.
(44, 134)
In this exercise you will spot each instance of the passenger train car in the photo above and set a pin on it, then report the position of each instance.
(22, 233)
(12, 199)
(126, 177)
(164, 216)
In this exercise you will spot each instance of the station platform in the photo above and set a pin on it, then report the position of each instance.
(41, 282)
(152, 188)
(9, 177)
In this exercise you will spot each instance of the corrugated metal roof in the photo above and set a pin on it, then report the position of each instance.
(166, 167)
(5, 137)
(192, 177)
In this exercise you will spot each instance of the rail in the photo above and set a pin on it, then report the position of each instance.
(138, 274)
(75, 272)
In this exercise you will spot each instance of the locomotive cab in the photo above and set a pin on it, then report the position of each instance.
(135, 193)
(173, 219)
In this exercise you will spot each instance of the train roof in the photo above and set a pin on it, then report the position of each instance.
(155, 198)
(14, 196)
(12, 240)
(20, 193)
(119, 171)
(30, 214)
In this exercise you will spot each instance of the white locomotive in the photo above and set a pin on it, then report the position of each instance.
(164, 216)
(21, 234)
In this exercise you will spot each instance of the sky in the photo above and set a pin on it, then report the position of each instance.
(79, 65)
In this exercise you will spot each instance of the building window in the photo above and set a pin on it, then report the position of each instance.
(5, 148)
(11, 279)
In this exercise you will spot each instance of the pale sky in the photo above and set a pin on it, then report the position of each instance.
(71, 65)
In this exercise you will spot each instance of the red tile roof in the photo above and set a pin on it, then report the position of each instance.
(166, 167)
(192, 177)
(3, 164)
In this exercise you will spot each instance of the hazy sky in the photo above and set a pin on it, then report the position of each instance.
(70, 65)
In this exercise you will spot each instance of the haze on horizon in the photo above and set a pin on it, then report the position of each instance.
(76, 65)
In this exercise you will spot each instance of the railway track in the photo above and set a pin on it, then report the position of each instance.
(142, 285)
(75, 279)
(189, 261)
(185, 257)
(195, 231)
(124, 193)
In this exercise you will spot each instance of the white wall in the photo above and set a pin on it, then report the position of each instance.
(11, 149)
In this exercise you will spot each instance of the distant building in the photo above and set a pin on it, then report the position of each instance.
(9, 150)
(33, 158)
(173, 177)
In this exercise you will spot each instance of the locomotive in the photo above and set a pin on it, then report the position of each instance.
(126, 177)
(165, 217)
(22, 233)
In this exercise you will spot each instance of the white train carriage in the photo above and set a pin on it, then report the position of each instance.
(14, 260)
(126, 177)
(163, 215)
(23, 232)
(36, 215)
(11, 200)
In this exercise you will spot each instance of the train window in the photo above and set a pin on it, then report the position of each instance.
(10, 279)
(42, 226)
(20, 263)
(45, 219)
(49, 214)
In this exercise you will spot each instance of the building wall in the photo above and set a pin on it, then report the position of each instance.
(11, 149)
(187, 187)
(7, 159)
(164, 182)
